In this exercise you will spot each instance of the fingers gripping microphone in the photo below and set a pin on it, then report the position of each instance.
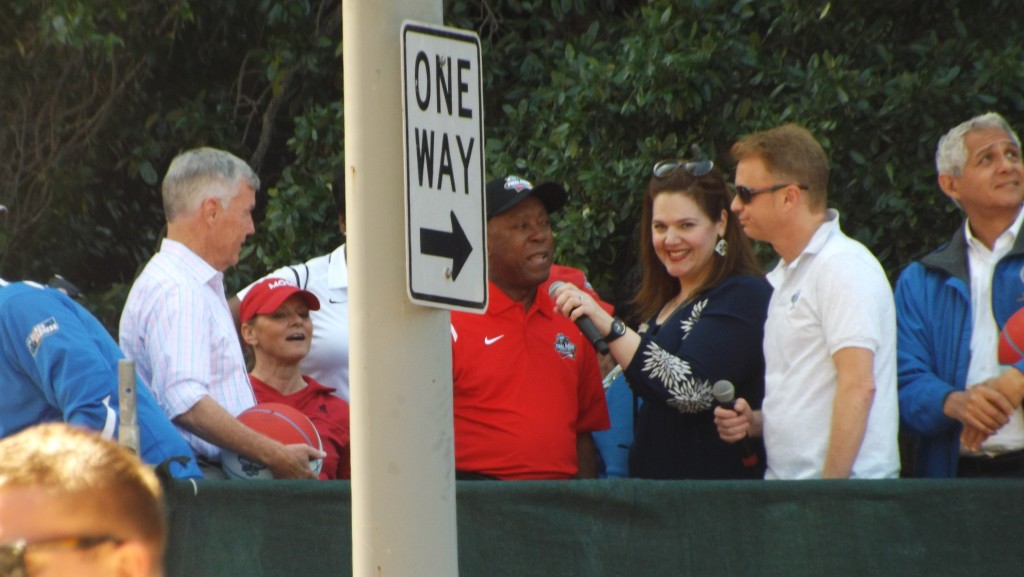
(584, 323)
(725, 394)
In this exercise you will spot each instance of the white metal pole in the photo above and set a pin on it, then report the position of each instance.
(127, 401)
(403, 486)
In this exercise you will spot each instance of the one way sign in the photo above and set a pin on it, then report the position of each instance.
(444, 167)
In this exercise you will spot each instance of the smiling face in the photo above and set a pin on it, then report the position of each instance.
(283, 336)
(520, 247)
(684, 237)
(992, 180)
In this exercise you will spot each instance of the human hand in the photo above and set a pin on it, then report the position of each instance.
(971, 439)
(1010, 384)
(734, 424)
(572, 303)
(986, 409)
(293, 462)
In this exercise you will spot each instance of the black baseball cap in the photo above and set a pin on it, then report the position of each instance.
(505, 193)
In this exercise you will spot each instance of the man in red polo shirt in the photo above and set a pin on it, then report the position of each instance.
(527, 388)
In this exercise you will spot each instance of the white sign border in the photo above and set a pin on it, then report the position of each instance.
(420, 298)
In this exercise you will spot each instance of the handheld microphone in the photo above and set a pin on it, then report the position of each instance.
(585, 325)
(725, 393)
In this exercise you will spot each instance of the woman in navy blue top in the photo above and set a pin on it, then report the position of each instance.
(704, 298)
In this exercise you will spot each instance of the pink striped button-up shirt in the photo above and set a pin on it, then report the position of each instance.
(178, 329)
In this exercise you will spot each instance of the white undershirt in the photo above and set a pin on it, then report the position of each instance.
(981, 262)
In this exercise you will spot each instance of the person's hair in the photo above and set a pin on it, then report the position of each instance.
(951, 153)
(338, 191)
(202, 173)
(711, 194)
(791, 153)
(70, 462)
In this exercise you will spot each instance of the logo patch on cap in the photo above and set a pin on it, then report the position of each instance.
(517, 184)
(40, 332)
(278, 284)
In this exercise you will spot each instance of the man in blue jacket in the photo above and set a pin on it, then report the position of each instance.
(955, 397)
(58, 363)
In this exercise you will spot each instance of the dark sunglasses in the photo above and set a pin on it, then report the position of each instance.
(695, 168)
(12, 555)
(747, 194)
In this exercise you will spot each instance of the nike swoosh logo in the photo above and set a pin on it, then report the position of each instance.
(491, 341)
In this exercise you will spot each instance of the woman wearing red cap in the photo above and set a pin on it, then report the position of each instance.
(276, 326)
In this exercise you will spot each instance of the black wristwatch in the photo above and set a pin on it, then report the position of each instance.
(618, 329)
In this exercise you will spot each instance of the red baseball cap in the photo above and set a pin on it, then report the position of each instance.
(267, 296)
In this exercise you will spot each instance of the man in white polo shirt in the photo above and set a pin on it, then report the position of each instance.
(830, 406)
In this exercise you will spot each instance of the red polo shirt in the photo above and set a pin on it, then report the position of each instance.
(525, 384)
(329, 414)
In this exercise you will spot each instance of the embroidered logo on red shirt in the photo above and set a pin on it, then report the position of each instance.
(565, 347)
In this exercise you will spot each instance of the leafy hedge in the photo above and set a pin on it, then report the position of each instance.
(597, 93)
(587, 92)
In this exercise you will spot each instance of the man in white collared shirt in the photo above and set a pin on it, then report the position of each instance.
(830, 405)
(951, 306)
(176, 324)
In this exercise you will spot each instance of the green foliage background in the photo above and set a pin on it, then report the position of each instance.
(586, 92)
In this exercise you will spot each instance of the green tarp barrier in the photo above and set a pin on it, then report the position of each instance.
(623, 528)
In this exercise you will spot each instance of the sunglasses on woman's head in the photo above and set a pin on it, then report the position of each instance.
(695, 168)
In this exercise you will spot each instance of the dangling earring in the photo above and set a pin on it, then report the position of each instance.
(722, 248)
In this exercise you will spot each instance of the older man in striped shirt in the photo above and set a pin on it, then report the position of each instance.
(176, 324)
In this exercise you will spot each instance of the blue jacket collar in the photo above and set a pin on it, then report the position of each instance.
(951, 258)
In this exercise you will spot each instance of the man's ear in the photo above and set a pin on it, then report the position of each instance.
(950, 185)
(792, 195)
(211, 209)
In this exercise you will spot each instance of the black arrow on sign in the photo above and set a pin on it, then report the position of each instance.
(453, 245)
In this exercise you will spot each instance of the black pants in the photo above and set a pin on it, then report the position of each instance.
(1007, 465)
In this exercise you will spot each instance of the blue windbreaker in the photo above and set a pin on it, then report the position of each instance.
(933, 314)
(58, 363)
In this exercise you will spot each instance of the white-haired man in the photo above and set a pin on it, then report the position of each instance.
(176, 324)
(950, 307)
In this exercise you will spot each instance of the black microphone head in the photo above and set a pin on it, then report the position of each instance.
(554, 287)
(723, 391)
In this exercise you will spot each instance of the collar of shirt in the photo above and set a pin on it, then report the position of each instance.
(818, 240)
(500, 303)
(193, 264)
(1002, 245)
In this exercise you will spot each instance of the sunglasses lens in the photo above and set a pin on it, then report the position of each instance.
(695, 169)
(744, 193)
(699, 168)
(665, 168)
